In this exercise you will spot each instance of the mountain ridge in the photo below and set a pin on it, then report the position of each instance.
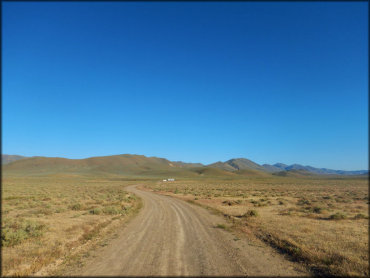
(285, 167)
(142, 165)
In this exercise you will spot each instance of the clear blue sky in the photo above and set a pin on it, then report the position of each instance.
(197, 82)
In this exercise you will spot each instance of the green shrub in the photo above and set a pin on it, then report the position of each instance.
(317, 210)
(44, 211)
(95, 211)
(250, 213)
(76, 206)
(360, 216)
(112, 210)
(337, 216)
(221, 226)
(302, 202)
(59, 210)
(14, 232)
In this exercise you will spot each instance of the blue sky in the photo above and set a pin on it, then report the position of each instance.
(197, 82)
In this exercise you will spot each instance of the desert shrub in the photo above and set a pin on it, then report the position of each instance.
(89, 234)
(302, 202)
(317, 210)
(95, 211)
(337, 216)
(112, 210)
(288, 211)
(14, 232)
(44, 211)
(11, 237)
(290, 248)
(258, 204)
(221, 226)
(60, 210)
(360, 216)
(76, 206)
(250, 213)
(132, 197)
(229, 203)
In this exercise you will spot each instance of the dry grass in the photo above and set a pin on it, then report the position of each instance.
(46, 219)
(319, 221)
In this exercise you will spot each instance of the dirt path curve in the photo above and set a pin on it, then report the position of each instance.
(171, 237)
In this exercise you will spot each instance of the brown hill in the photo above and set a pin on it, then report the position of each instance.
(223, 166)
(237, 164)
(121, 165)
(212, 172)
(249, 172)
(6, 158)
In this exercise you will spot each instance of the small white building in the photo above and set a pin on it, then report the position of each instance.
(171, 179)
(164, 180)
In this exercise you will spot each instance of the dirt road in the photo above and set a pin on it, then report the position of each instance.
(171, 237)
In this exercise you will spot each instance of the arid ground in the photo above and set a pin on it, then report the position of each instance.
(216, 223)
(320, 222)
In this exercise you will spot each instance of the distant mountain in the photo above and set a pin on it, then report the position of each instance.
(140, 165)
(281, 166)
(272, 168)
(6, 158)
(293, 173)
(321, 171)
(237, 164)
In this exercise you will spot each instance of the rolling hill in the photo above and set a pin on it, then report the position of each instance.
(121, 165)
(6, 158)
(141, 166)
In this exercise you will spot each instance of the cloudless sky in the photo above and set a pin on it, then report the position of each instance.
(196, 81)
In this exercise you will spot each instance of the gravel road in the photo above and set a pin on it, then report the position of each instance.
(173, 238)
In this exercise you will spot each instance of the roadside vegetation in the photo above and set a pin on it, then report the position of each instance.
(321, 222)
(46, 220)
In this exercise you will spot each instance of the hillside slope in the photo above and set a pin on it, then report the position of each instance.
(122, 165)
(6, 158)
(237, 164)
